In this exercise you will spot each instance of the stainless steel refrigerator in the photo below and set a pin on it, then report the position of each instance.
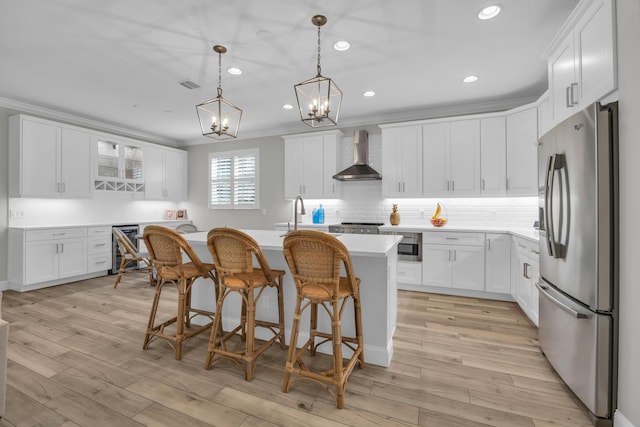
(578, 178)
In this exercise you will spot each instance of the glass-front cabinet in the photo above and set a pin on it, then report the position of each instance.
(119, 167)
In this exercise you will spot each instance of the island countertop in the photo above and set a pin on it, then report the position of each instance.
(357, 244)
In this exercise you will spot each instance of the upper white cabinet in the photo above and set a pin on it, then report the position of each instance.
(402, 161)
(581, 61)
(119, 165)
(47, 159)
(493, 161)
(451, 158)
(522, 153)
(165, 173)
(309, 164)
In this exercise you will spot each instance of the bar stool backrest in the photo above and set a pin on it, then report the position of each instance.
(233, 251)
(167, 248)
(315, 259)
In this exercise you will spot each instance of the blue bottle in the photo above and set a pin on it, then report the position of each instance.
(314, 216)
(320, 215)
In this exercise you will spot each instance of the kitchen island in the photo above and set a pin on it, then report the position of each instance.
(374, 260)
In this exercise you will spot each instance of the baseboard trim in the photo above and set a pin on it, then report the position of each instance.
(4, 285)
(620, 420)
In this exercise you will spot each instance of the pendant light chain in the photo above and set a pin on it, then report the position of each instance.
(319, 70)
(219, 74)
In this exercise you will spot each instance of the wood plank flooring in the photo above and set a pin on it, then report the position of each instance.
(76, 359)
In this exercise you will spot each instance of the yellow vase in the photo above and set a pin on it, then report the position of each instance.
(394, 218)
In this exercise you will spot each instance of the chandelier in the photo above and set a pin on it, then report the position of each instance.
(219, 119)
(319, 98)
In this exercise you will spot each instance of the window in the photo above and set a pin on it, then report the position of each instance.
(234, 180)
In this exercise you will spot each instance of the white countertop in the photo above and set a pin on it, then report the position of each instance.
(527, 233)
(100, 224)
(357, 244)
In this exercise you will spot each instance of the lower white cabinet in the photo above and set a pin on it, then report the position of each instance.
(409, 272)
(525, 276)
(498, 263)
(99, 249)
(55, 254)
(453, 260)
(42, 257)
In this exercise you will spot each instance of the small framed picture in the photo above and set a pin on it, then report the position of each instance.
(169, 214)
(181, 214)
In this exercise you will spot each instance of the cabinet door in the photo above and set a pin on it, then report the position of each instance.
(595, 52)
(154, 174)
(468, 268)
(534, 294)
(175, 174)
(332, 187)
(72, 257)
(313, 169)
(435, 159)
(493, 156)
(75, 161)
(465, 157)
(293, 167)
(40, 159)
(410, 147)
(436, 265)
(41, 261)
(522, 153)
(391, 162)
(498, 263)
(561, 77)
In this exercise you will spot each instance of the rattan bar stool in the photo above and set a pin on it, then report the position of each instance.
(233, 253)
(130, 255)
(315, 259)
(167, 249)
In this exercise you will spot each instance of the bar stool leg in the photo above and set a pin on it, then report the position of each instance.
(313, 328)
(152, 315)
(180, 320)
(291, 356)
(217, 325)
(358, 319)
(338, 368)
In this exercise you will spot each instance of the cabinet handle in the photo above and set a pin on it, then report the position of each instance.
(399, 187)
(58, 234)
(525, 270)
(57, 247)
(569, 105)
(483, 184)
(535, 251)
(64, 187)
(574, 94)
(488, 244)
(100, 262)
(448, 185)
(61, 247)
(403, 188)
(451, 238)
(508, 184)
(454, 255)
(100, 244)
(449, 254)
(453, 185)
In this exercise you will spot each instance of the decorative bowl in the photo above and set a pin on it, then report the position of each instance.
(438, 222)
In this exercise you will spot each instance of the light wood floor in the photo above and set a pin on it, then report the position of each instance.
(76, 358)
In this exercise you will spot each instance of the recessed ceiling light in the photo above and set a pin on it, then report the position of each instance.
(341, 45)
(490, 12)
(470, 79)
(235, 71)
(369, 94)
(287, 106)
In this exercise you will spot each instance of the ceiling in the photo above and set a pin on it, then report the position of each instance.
(120, 62)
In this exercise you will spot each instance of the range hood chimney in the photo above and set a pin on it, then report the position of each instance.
(359, 170)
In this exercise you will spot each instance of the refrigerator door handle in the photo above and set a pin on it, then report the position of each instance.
(554, 162)
(575, 313)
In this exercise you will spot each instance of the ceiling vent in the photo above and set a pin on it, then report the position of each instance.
(189, 84)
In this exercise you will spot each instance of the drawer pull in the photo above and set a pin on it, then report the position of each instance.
(58, 234)
(451, 238)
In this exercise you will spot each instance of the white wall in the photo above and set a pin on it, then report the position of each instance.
(629, 102)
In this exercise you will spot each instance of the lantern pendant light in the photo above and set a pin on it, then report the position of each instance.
(219, 118)
(319, 98)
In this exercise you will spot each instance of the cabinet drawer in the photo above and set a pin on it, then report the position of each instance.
(453, 238)
(98, 245)
(409, 272)
(99, 231)
(99, 262)
(527, 248)
(55, 234)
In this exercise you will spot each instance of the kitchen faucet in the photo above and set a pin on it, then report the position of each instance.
(295, 211)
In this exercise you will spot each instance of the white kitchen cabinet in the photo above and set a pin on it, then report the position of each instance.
(55, 254)
(48, 160)
(99, 249)
(402, 168)
(451, 158)
(493, 152)
(545, 114)
(119, 165)
(453, 260)
(498, 263)
(409, 272)
(525, 276)
(582, 63)
(309, 164)
(165, 174)
(522, 153)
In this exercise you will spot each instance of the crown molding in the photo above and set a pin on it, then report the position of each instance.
(73, 119)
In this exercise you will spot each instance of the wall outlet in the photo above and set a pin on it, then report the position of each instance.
(16, 213)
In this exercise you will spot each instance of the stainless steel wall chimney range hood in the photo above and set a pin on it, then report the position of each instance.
(359, 170)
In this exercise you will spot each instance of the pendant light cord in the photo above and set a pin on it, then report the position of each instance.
(219, 74)
(319, 70)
